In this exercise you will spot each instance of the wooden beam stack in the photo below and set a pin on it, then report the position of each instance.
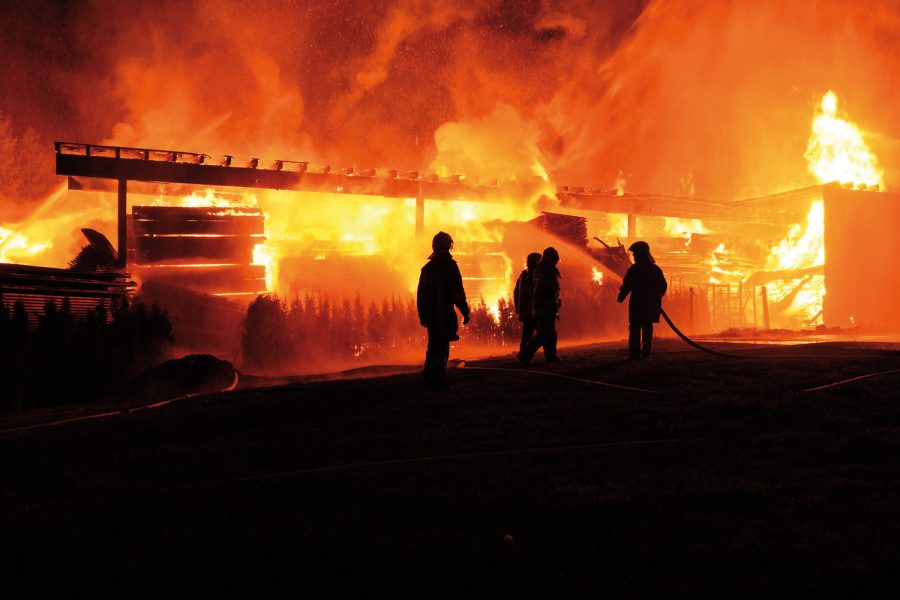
(205, 249)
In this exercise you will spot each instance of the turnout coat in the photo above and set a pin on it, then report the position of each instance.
(523, 295)
(440, 289)
(647, 285)
(546, 290)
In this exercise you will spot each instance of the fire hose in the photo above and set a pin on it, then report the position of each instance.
(113, 413)
(462, 365)
(694, 344)
(620, 276)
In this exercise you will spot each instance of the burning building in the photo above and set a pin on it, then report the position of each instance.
(751, 223)
(752, 262)
(757, 262)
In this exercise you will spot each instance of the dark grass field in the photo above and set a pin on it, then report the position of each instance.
(729, 482)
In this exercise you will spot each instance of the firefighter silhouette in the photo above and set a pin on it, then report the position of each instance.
(545, 308)
(440, 289)
(523, 299)
(647, 285)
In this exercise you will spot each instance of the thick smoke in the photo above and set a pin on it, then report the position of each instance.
(716, 98)
(365, 84)
(680, 97)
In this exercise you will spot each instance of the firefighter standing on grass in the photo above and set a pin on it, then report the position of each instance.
(545, 307)
(523, 299)
(440, 289)
(647, 285)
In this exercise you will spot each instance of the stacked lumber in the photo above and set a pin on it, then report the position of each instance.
(570, 228)
(205, 249)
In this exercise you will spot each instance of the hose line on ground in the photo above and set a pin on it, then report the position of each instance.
(462, 364)
(113, 413)
(851, 380)
(691, 342)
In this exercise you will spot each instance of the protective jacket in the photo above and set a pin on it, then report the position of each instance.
(440, 288)
(546, 290)
(647, 285)
(523, 295)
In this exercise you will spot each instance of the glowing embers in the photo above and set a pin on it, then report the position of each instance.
(836, 150)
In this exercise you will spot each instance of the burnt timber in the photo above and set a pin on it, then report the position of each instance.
(172, 172)
(124, 164)
(138, 164)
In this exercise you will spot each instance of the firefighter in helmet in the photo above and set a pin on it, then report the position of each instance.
(523, 298)
(545, 308)
(440, 289)
(647, 285)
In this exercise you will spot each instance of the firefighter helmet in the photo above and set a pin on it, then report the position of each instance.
(442, 242)
(550, 255)
(640, 248)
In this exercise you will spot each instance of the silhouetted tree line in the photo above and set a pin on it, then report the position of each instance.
(68, 359)
(280, 335)
(315, 329)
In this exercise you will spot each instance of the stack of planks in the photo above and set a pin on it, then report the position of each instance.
(567, 227)
(205, 249)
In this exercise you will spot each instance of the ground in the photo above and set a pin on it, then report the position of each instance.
(730, 480)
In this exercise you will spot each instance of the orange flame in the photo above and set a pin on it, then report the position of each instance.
(836, 150)
(18, 247)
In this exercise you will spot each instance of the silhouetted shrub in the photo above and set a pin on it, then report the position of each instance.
(65, 359)
(266, 341)
(315, 330)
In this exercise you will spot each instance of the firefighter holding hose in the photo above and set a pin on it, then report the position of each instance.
(440, 289)
(647, 285)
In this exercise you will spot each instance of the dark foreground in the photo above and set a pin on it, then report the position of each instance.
(729, 481)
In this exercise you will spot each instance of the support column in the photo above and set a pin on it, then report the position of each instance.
(755, 321)
(123, 232)
(631, 234)
(728, 305)
(691, 309)
(420, 216)
(765, 308)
